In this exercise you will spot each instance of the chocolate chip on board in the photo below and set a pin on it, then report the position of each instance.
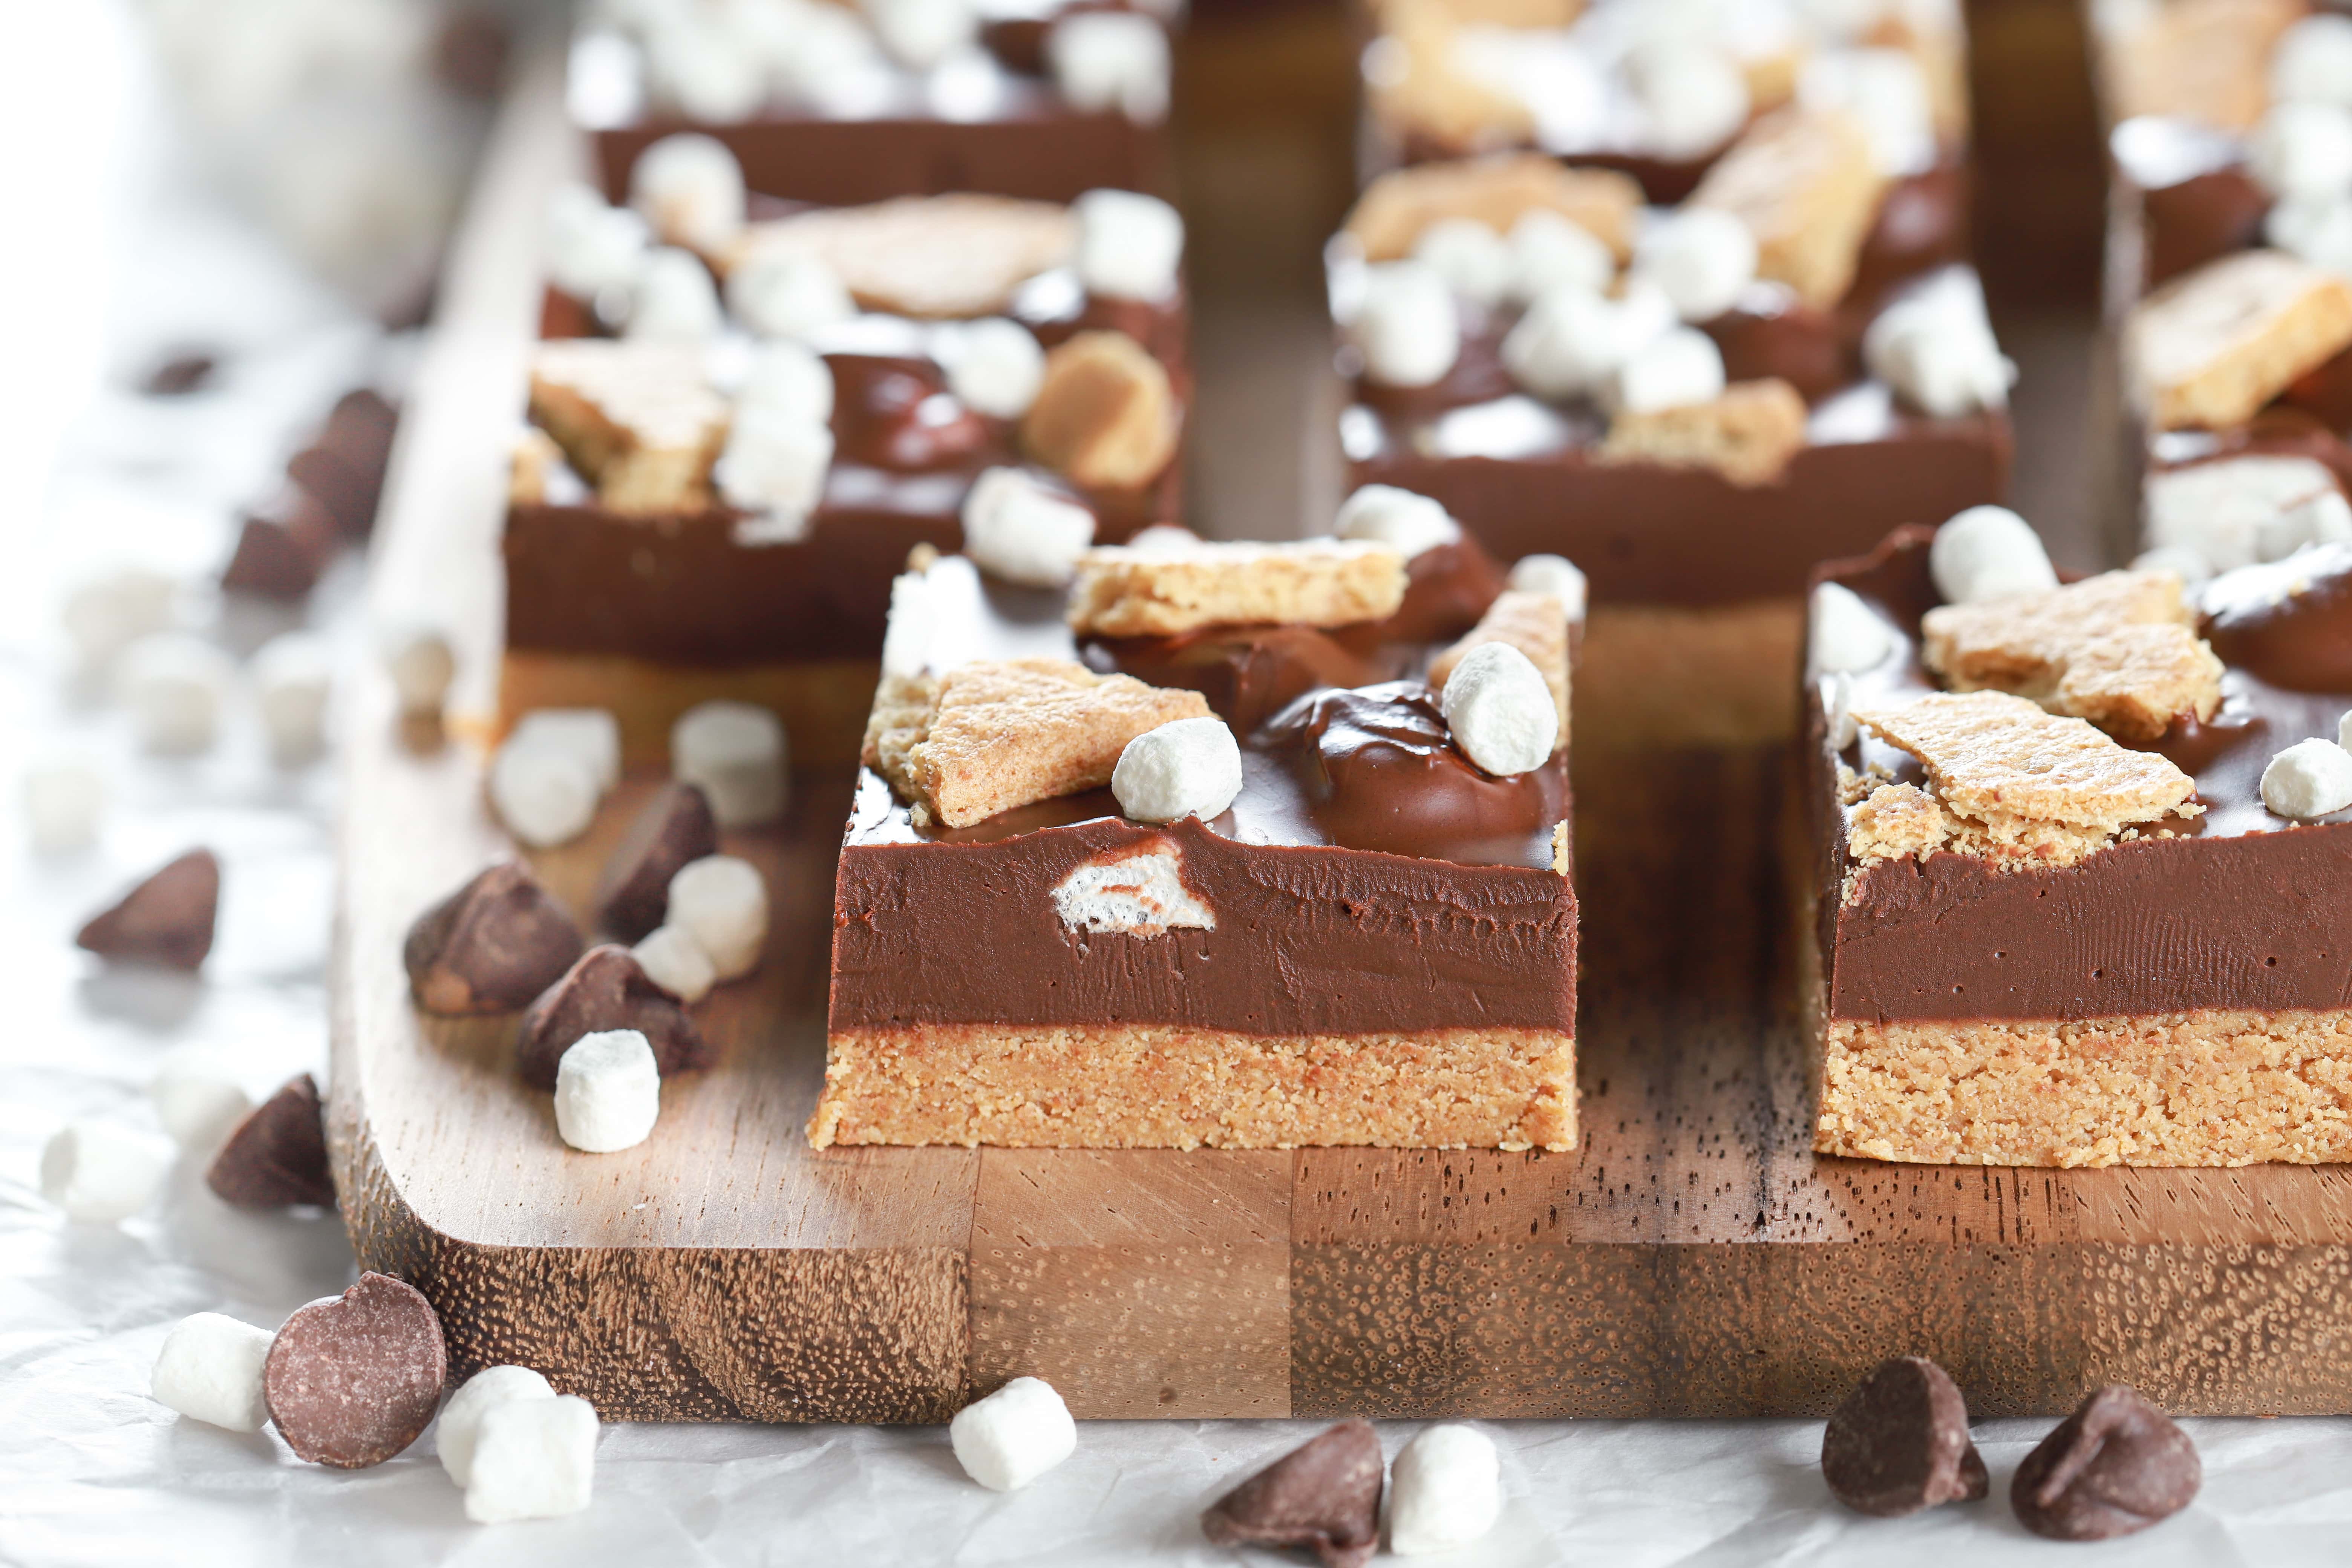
(492, 946)
(2118, 1464)
(1900, 1442)
(180, 375)
(280, 558)
(166, 920)
(278, 1155)
(674, 829)
(1325, 1496)
(608, 989)
(350, 1379)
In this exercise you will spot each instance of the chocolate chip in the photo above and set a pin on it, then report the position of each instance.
(492, 946)
(278, 1155)
(1325, 1496)
(281, 557)
(167, 919)
(2118, 1464)
(608, 989)
(179, 375)
(1900, 1442)
(675, 828)
(345, 467)
(352, 1379)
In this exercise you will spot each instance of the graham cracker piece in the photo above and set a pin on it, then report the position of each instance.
(1746, 435)
(1417, 87)
(1122, 592)
(2205, 59)
(1535, 623)
(992, 735)
(1894, 821)
(1106, 415)
(936, 257)
(2209, 349)
(535, 457)
(1804, 182)
(2120, 650)
(640, 421)
(1499, 190)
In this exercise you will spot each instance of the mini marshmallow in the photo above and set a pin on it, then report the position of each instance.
(1187, 767)
(722, 904)
(292, 675)
(1571, 340)
(689, 188)
(1474, 260)
(704, 71)
(175, 684)
(1553, 574)
(1549, 251)
(674, 960)
(1936, 347)
(1016, 528)
(1112, 59)
(782, 293)
(774, 467)
(100, 1171)
(1695, 97)
(461, 1418)
(546, 796)
(1700, 259)
(2303, 149)
(1407, 330)
(785, 380)
(209, 1369)
(1847, 635)
(1387, 515)
(1446, 1490)
(2184, 564)
(2310, 778)
(1130, 245)
(590, 734)
(593, 248)
(421, 667)
(2344, 731)
(1015, 1434)
(1165, 538)
(198, 1108)
(736, 751)
(996, 366)
(2316, 228)
(1986, 551)
(111, 611)
(1499, 709)
(2311, 61)
(675, 300)
(533, 1459)
(64, 798)
(1887, 94)
(607, 1092)
(919, 34)
(2238, 511)
(1671, 370)
(1837, 710)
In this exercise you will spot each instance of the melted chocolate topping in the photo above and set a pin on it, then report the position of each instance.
(2288, 623)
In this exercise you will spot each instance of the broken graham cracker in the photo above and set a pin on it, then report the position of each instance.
(1122, 593)
(640, 421)
(934, 258)
(2120, 650)
(1399, 207)
(1748, 434)
(990, 736)
(1804, 182)
(1106, 416)
(2207, 349)
(1418, 89)
(2208, 59)
(1535, 623)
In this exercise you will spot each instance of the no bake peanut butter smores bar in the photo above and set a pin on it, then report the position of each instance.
(2083, 850)
(1244, 845)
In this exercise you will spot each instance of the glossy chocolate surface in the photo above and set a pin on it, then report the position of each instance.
(2196, 200)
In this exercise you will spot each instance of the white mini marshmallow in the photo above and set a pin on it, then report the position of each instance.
(2311, 61)
(1387, 515)
(608, 1091)
(1571, 339)
(2310, 778)
(533, 1459)
(209, 1369)
(704, 71)
(110, 612)
(675, 300)
(2187, 564)
(1549, 251)
(461, 1418)
(175, 685)
(781, 293)
(1130, 245)
(919, 34)
(721, 903)
(1847, 635)
(292, 676)
(674, 960)
(689, 188)
(590, 734)
(1499, 709)
(1887, 94)
(64, 798)
(2344, 731)
(737, 752)
(1986, 551)
(1837, 710)
(1165, 538)
(422, 666)
(907, 635)
(785, 380)
(1475, 261)
(1407, 329)
(996, 366)
(1446, 1490)
(1141, 894)
(1015, 1434)
(1016, 528)
(1111, 61)
(2238, 511)
(1936, 347)
(1673, 371)
(1700, 259)
(2303, 149)
(1553, 574)
(2316, 228)
(546, 796)
(1187, 767)
(102, 1171)
(774, 467)
(197, 1107)
(593, 248)
(1695, 99)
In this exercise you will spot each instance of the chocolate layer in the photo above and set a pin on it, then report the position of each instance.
(2196, 201)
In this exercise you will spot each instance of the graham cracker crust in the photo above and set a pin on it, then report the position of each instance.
(1172, 1087)
(822, 702)
(1662, 674)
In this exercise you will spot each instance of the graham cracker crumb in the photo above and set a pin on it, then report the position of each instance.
(2209, 59)
(1896, 820)
(1106, 416)
(1805, 183)
(2209, 349)
(1748, 434)
(935, 258)
(1121, 592)
(1395, 209)
(640, 421)
(1537, 625)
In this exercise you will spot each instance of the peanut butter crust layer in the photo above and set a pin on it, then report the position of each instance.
(1121, 1086)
